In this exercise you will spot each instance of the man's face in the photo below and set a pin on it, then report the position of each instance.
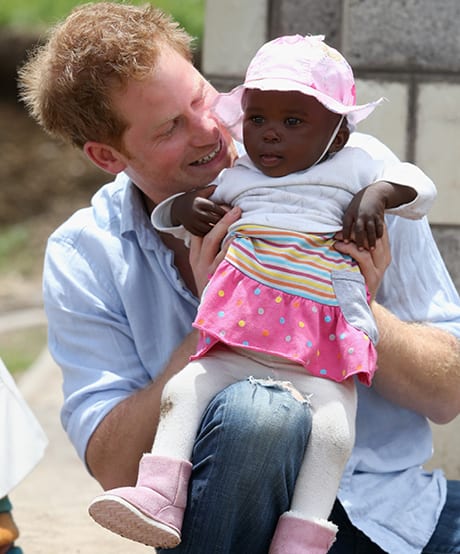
(285, 132)
(173, 143)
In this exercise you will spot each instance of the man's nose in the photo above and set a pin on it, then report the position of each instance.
(204, 127)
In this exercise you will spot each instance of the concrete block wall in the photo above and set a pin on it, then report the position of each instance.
(405, 50)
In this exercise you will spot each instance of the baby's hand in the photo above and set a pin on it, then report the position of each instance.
(364, 219)
(196, 212)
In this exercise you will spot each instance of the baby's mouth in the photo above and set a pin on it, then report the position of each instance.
(270, 159)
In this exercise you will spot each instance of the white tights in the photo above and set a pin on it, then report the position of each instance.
(187, 394)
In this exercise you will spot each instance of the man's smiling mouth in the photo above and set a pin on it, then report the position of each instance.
(209, 157)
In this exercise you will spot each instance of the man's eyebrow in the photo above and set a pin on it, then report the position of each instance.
(199, 93)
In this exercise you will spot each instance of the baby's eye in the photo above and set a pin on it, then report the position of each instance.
(292, 121)
(257, 119)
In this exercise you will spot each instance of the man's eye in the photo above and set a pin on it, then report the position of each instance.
(292, 121)
(198, 100)
(170, 128)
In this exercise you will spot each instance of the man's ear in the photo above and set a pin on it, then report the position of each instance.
(105, 157)
(341, 139)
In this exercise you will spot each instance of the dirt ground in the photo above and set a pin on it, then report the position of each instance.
(42, 183)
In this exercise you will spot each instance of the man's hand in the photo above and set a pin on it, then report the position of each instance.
(373, 263)
(206, 252)
(196, 212)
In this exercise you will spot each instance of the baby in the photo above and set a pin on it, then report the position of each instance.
(284, 307)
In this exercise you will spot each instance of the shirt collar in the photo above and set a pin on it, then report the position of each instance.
(135, 221)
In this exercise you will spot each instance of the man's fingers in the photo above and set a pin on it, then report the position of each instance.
(372, 263)
(205, 251)
(213, 240)
(381, 254)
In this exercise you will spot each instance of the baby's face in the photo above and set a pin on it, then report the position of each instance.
(285, 132)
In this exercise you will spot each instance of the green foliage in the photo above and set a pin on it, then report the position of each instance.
(40, 13)
(189, 13)
(13, 241)
(20, 248)
(20, 349)
(18, 257)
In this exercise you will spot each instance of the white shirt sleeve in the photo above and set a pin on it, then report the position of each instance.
(399, 173)
(410, 175)
(161, 220)
(416, 286)
(23, 439)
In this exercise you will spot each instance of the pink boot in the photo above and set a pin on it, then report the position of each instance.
(151, 512)
(294, 535)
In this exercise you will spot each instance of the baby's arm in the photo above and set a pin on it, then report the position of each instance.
(196, 212)
(363, 220)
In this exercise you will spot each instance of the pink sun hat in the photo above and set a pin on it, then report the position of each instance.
(296, 63)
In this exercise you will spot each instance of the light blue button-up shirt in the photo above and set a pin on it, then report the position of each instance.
(117, 308)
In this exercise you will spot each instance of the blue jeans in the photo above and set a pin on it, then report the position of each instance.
(245, 461)
(445, 539)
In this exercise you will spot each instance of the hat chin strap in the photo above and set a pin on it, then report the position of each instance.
(331, 140)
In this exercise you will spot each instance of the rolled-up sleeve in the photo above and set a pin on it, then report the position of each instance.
(116, 310)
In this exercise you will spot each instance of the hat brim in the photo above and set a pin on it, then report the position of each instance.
(228, 108)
